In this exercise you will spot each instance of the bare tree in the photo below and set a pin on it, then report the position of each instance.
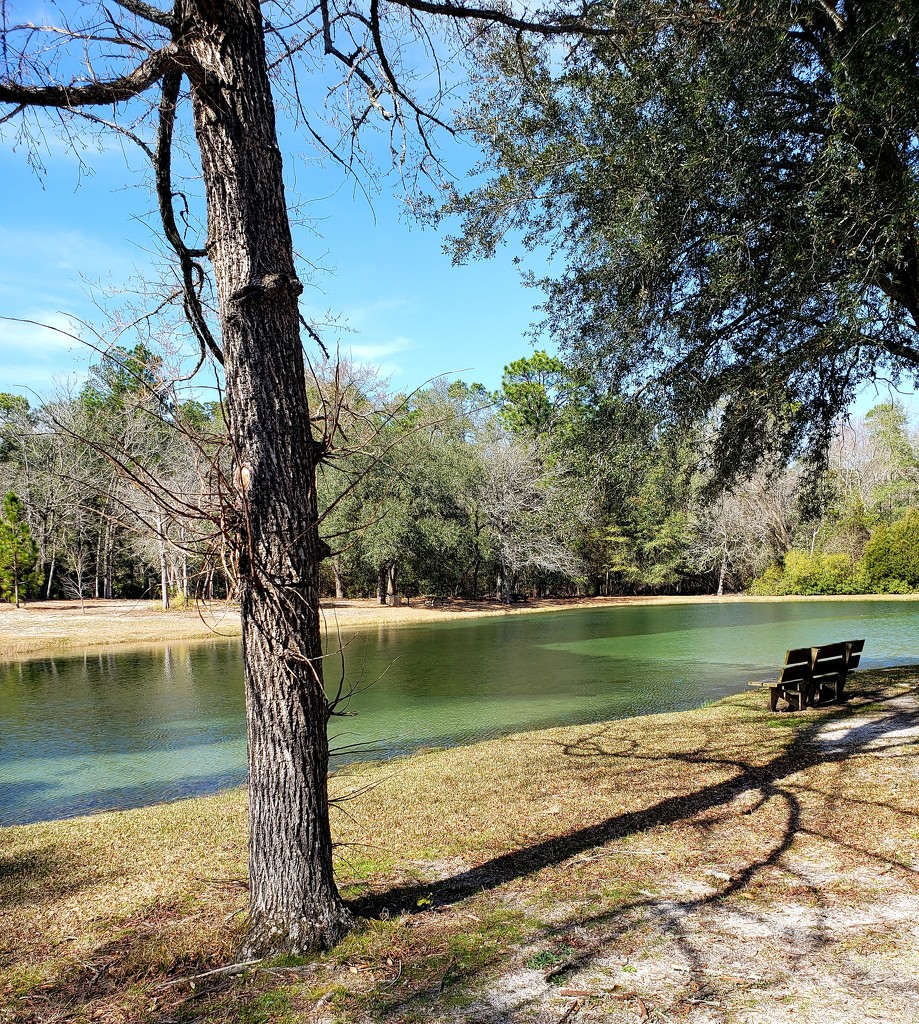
(530, 508)
(746, 528)
(99, 66)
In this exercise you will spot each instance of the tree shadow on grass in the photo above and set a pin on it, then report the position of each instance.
(27, 875)
(764, 781)
(435, 967)
(822, 739)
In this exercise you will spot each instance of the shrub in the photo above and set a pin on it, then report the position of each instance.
(809, 575)
(891, 559)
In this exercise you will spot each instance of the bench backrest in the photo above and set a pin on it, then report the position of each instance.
(836, 659)
(855, 653)
(829, 660)
(797, 667)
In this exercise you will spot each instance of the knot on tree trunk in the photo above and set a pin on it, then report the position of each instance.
(266, 285)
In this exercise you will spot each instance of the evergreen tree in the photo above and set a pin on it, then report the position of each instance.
(18, 552)
(729, 195)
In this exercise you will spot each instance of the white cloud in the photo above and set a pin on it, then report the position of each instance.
(46, 277)
(378, 354)
(32, 354)
(28, 249)
(374, 352)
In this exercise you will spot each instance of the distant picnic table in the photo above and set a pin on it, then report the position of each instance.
(813, 675)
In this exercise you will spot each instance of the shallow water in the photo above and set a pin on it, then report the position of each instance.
(105, 730)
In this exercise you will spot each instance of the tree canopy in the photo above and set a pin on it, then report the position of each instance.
(730, 192)
(19, 565)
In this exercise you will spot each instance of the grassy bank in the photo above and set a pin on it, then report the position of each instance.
(716, 865)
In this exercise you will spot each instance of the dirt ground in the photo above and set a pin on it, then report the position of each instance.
(47, 627)
(718, 866)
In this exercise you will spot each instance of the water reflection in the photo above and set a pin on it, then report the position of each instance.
(119, 729)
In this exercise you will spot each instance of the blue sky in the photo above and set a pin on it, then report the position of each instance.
(82, 228)
(67, 236)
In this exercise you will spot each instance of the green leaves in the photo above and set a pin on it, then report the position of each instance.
(733, 207)
(18, 552)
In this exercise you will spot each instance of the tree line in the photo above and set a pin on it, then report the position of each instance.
(729, 192)
(543, 487)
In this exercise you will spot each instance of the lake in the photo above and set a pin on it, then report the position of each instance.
(105, 730)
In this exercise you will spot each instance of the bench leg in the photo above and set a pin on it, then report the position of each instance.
(773, 698)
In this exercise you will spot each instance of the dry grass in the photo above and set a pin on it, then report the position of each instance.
(717, 865)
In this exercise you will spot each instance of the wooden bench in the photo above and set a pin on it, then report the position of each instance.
(813, 675)
(793, 681)
(829, 668)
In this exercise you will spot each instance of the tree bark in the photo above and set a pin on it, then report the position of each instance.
(97, 585)
(294, 903)
(392, 589)
(164, 572)
(109, 561)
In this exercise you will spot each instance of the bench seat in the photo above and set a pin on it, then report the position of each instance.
(793, 681)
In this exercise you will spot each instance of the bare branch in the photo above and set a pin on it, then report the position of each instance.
(172, 82)
(67, 97)
(566, 25)
(149, 13)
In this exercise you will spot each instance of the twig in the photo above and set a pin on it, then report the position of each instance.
(229, 969)
(570, 1012)
(642, 1008)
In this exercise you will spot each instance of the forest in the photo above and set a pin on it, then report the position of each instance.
(545, 487)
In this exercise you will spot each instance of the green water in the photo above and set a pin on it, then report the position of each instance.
(79, 734)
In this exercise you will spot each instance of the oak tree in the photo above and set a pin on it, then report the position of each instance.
(730, 194)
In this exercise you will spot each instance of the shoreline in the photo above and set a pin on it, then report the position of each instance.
(630, 865)
(48, 628)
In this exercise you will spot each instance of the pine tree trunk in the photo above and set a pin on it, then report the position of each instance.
(294, 903)
(339, 584)
(97, 585)
(109, 560)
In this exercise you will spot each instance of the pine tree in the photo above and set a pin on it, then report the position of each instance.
(18, 552)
